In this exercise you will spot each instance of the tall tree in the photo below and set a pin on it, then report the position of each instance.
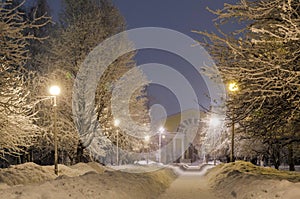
(84, 25)
(17, 129)
(263, 57)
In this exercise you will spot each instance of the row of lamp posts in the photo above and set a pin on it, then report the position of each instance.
(146, 138)
(55, 91)
(161, 136)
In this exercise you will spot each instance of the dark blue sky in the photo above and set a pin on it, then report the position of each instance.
(181, 15)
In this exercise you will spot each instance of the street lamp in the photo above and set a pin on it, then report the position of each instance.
(233, 87)
(147, 139)
(214, 121)
(116, 124)
(161, 131)
(55, 91)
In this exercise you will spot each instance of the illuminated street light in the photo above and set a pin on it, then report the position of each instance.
(116, 124)
(161, 131)
(147, 138)
(54, 92)
(214, 121)
(233, 87)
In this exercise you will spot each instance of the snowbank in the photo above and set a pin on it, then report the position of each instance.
(81, 181)
(244, 180)
(30, 173)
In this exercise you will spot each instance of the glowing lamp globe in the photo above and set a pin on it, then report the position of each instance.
(147, 138)
(214, 121)
(161, 129)
(233, 86)
(54, 90)
(116, 122)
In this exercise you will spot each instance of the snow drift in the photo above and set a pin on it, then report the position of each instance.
(91, 180)
(244, 180)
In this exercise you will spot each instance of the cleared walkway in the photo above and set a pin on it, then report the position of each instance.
(189, 184)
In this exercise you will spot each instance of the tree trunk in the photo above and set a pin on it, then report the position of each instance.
(277, 164)
(276, 157)
(291, 160)
(79, 154)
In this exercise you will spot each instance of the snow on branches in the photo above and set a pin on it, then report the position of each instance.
(17, 131)
(263, 57)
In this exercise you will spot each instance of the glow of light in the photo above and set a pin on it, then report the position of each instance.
(147, 138)
(117, 122)
(214, 121)
(54, 90)
(161, 129)
(233, 86)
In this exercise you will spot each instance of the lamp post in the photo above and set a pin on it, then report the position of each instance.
(55, 91)
(161, 131)
(116, 124)
(147, 139)
(214, 121)
(233, 87)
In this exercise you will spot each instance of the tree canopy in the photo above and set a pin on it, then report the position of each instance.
(263, 58)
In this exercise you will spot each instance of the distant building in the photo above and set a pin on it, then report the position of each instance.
(183, 137)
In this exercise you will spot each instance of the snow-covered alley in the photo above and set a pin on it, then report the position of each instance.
(240, 180)
(189, 184)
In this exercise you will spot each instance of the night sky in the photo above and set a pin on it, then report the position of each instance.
(183, 16)
(179, 15)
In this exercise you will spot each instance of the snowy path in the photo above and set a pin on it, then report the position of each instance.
(189, 185)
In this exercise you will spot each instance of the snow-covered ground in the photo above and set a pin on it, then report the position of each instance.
(234, 180)
(30, 181)
(244, 180)
(241, 180)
